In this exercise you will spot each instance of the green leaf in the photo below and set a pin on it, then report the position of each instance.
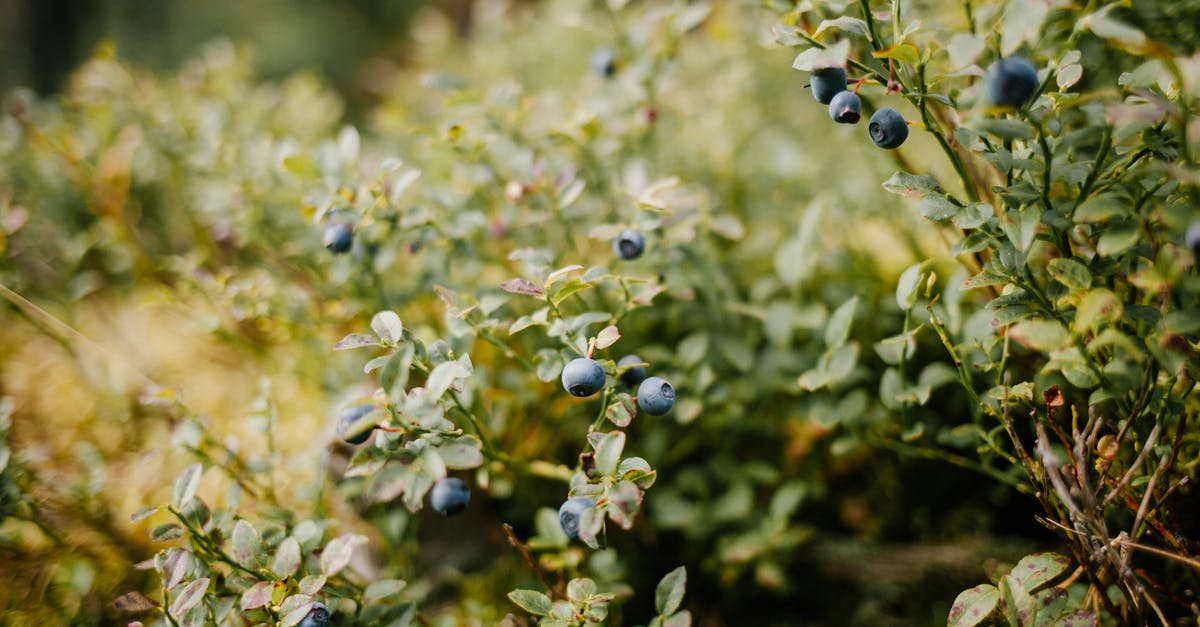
(975, 606)
(591, 523)
(287, 558)
(1097, 308)
(1022, 23)
(382, 589)
(907, 284)
(294, 609)
(669, 593)
(964, 48)
(816, 58)
(139, 515)
(302, 166)
(1182, 321)
(837, 331)
(1035, 571)
(336, 555)
(679, 619)
(356, 340)
(1070, 273)
(1006, 128)
(850, 25)
(937, 208)
(579, 589)
(521, 286)
(607, 337)
(624, 501)
(1017, 603)
(912, 185)
(1103, 25)
(608, 452)
(1117, 240)
(388, 327)
(571, 193)
(531, 601)
(905, 53)
(187, 484)
(246, 544)
(1100, 208)
(134, 603)
(1040, 335)
(190, 596)
(462, 453)
(258, 595)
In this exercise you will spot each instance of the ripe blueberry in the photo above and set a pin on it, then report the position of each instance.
(826, 82)
(603, 61)
(347, 430)
(655, 396)
(1010, 82)
(318, 616)
(570, 512)
(888, 128)
(449, 496)
(629, 244)
(633, 376)
(339, 236)
(845, 108)
(1192, 239)
(582, 377)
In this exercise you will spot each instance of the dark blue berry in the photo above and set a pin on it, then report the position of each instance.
(603, 61)
(888, 128)
(570, 512)
(629, 244)
(450, 496)
(348, 430)
(827, 82)
(1010, 82)
(1192, 239)
(633, 376)
(845, 108)
(318, 616)
(655, 396)
(339, 237)
(582, 377)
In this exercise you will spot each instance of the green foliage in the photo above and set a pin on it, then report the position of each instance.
(1015, 301)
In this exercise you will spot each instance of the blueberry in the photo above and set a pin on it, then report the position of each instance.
(450, 496)
(655, 396)
(339, 236)
(633, 376)
(603, 61)
(582, 377)
(318, 616)
(346, 428)
(570, 512)
(1192, 238)
(629, 244)
(845, 108)
(1010, 82)
(827, 82)
(888, 128)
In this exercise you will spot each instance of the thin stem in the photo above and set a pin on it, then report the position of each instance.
(938, 454)
(931, 126)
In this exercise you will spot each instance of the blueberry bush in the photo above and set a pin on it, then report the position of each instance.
(597, 317)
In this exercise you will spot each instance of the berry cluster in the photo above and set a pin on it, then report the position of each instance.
(1009, 82)
(887, 127)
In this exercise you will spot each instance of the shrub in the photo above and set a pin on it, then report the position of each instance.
(831, 352)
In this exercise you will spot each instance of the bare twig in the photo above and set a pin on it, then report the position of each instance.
(528, 555)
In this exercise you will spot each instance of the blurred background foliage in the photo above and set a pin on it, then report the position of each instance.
(157, 248)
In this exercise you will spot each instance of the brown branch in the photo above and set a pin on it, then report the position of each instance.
(528, 555)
